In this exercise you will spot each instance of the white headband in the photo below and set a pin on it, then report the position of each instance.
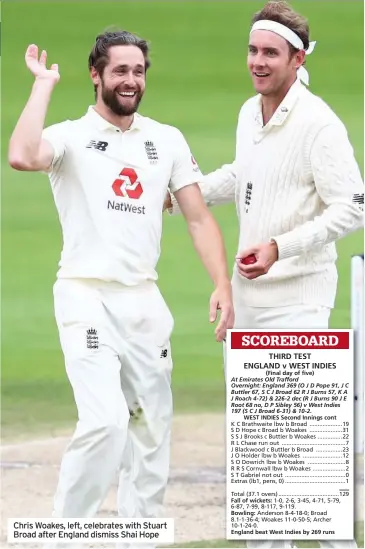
(291, 37)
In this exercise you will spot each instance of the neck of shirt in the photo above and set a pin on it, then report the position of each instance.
(270, 104)
(121, 122)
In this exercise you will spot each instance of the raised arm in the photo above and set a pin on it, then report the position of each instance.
(27, 150)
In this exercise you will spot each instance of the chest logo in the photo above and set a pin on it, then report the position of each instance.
(98, 145)
(248, 196)
(127, 184)
(151, 152)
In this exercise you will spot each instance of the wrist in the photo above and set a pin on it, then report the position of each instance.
(43, 83)
(274, 247)
(224, 284)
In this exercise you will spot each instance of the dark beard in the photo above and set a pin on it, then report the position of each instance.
(111, 100)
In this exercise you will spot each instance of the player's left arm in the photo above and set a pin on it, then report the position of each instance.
(338, 182)
(208, 242)
(203, 228)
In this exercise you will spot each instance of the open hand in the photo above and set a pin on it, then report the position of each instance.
(221, 299)
(38, 66)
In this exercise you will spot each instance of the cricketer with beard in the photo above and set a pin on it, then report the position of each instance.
(109, 172)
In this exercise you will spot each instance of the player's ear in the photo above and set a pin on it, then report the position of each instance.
(299, 58)
(95, 77)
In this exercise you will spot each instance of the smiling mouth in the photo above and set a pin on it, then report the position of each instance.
(261, 74)
(127, 94)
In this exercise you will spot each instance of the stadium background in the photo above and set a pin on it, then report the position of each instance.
(198, 81)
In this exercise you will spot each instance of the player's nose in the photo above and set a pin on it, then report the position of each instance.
(259, 63)
(129, 80)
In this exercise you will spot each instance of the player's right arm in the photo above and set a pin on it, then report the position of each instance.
(220, 186)
(27, 150)
(217, 187)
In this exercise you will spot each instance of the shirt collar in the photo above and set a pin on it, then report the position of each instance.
(104, 125)
(285, 107)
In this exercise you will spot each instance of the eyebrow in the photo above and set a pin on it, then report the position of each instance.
(125, 66)
(267, 48)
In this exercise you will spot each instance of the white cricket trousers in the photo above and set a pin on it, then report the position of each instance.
(117, 354)
(287, 317)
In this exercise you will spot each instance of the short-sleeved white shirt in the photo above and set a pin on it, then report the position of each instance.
(109, 187)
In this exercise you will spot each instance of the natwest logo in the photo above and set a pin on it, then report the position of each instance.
(127, 184)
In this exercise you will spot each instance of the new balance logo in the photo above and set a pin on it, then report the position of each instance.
(151, 152)
(92, 339)
(163, 353)
(99, 145)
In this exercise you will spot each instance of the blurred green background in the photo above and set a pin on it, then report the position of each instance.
(198, 81)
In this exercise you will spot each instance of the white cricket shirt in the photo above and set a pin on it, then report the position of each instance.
(294, 180)
(109, 187)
